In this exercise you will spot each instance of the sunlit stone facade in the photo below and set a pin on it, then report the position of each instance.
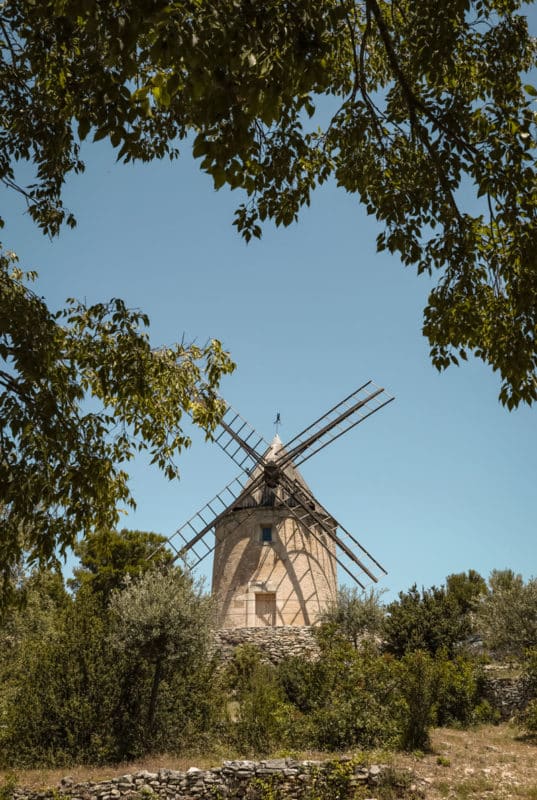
(269, 568)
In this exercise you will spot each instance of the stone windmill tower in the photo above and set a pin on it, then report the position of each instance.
(269, 568)
(275, 546)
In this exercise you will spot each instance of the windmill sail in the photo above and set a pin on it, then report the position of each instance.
(269, 503)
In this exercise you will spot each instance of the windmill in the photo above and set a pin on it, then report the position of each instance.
(275, 546)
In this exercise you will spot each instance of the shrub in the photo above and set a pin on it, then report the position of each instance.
(528, 718)
(356, 613)
(263, 716)
(8, 786)
(506, 617)
(346, 698)
(457, 689)
(417, 687)
(430, 621)
(530, 670)
(484, 714)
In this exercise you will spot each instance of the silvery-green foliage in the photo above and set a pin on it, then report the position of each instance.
(506, 617)
(356, 613)
(160, 621)
(162, 614)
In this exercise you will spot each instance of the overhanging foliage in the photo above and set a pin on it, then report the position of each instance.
(434, 130)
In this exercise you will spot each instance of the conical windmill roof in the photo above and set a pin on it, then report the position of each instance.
(262, 495)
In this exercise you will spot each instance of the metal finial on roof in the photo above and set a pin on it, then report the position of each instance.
(277, 422)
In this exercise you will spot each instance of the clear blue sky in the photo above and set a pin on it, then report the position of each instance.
(442, 480)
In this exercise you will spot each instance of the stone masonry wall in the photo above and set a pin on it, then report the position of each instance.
(507, 695)
(294, 573)
(275, 643)
(234, 780)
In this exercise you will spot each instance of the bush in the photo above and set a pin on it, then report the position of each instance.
(457, 691)
(506, 617)
(485, 714)
(528, 718)
(304, 682)
(262, 717)
(356, 614)
(70, 697)
(347, 698)
(430, 621)
(530, 670)
(418, 689)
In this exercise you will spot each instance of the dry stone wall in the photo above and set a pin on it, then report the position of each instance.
(234, 780)
(275, 643)
(507, 695)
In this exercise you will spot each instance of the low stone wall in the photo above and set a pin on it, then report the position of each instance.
(507, 695)
(234, 780)
(275, 643)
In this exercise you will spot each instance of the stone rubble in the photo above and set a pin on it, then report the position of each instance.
(507, 695)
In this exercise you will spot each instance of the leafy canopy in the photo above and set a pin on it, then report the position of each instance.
(161, 616)
(108, 559)
(81, 392)
(356, 614)
(506, 616)
(84, 683)
(433, 620)
(433, 129)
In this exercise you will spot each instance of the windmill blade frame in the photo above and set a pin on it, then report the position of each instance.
(241, 432)
(229, 531)
(341, 418)
(318, 518)
(238, 489)
(304, 490)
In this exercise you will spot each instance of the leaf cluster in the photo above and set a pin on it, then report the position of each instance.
(104, 677)
(356, 613)
(81, 392)
(430, 104)
(109, 558)
(435, 619)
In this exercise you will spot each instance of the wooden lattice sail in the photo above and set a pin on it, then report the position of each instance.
(275, 546)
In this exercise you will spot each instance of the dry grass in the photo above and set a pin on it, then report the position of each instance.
(486, 763)
(43, 778)
(490, 762)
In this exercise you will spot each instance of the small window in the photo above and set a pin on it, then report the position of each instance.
(266, 534)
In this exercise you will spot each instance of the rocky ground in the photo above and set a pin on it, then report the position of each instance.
(490, 762)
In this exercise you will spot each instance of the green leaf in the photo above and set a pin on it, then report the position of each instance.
(84, 126)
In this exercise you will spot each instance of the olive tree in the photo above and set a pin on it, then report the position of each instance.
(506, 616)
(356, 613)
(161, 618)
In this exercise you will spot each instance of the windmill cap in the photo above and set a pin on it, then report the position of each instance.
(274, 448)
